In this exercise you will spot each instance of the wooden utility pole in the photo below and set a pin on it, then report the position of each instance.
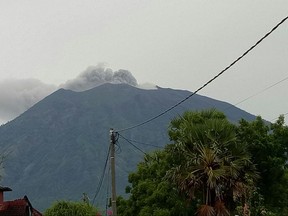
(112, 159)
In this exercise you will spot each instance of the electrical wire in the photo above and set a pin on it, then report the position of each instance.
(102, 176)
(208, 82)
(118, 149)
(127, 140)
(278, 117)
(141, 143)
(251, 96)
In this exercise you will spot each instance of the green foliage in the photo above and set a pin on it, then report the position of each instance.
(215, 167)
(67, 208)
(150, 193)
(268, 145)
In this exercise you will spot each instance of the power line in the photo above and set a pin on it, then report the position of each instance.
(251, 96)
(277, 117)
(141, 143)
(210, 81)
(102, 176)
(127, 140)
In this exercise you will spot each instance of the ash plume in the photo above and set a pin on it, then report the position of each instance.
(94, 76)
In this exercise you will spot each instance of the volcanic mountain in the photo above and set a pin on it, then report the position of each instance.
(58, 148)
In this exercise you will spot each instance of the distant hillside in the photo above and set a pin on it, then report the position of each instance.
(57, 149)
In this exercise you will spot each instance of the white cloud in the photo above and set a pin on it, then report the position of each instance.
(18, 95)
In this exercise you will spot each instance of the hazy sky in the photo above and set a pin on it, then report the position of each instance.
(172, 43)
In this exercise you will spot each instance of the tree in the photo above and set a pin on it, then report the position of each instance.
(68, 208)
(268, 144)
(216, 168)
(150, 193)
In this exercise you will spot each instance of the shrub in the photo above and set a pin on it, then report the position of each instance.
(67, 208)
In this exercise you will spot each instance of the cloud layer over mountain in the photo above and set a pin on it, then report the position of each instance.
(18, 95)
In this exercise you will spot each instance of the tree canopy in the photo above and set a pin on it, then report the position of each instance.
(216, 169)
(268, 145)
(213, 167)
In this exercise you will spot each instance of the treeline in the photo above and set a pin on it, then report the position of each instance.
(213, 167)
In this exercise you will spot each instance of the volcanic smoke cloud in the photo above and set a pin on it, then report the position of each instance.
(97, 75)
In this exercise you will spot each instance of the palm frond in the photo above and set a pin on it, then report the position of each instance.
(206, 210)
(221, 209)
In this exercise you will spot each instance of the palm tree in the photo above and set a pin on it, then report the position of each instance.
(214, 167)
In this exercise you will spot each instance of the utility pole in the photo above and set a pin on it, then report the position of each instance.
(112, 159)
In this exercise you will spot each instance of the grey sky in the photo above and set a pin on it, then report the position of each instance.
(177, 44)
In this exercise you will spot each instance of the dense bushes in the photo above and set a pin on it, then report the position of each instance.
(67, 208)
